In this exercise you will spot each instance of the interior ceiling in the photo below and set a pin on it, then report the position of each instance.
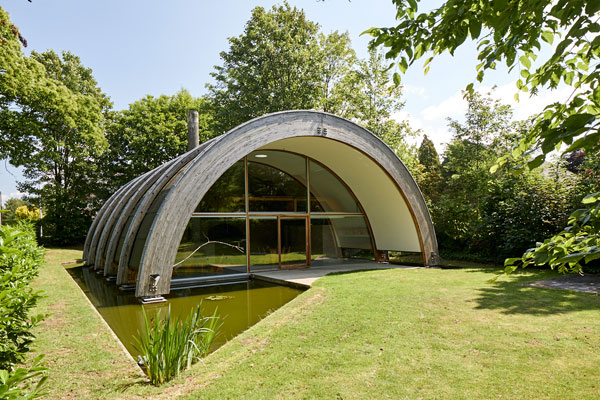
(390, 218)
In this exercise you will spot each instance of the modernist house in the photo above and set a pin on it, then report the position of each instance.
(286, 190)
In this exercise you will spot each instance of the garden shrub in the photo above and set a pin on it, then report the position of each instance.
(20, 260)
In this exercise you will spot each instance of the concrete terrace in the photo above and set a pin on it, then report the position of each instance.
(304, 277)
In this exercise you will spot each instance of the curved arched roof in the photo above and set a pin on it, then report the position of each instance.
(141, 225)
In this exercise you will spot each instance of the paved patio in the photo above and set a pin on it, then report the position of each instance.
(589, 283)
(304, 277)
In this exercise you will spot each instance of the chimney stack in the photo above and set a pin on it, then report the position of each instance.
(192, 125)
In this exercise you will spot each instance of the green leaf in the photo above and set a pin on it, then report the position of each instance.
(571, 258)
(500, 5)
(403, 65)
(512, 261)
(536, 162)
(591, 198)
(593, 256)
(418, 51)
(525, 61)
(396, 78)
(413, 5)
(474, 28)
(592, 7)
(371, 31)
(577, 121)
(548, 37)
(540, 257)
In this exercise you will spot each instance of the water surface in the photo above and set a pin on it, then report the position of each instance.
(240, 305)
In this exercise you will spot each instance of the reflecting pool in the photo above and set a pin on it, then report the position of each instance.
(240, 304)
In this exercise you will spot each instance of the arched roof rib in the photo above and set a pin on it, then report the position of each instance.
(120, 211)
(144, 204)
(98, 225)
(191, 180)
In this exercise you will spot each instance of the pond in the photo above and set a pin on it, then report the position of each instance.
(240, 304)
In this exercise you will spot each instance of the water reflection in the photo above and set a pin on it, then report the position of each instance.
(241, 305)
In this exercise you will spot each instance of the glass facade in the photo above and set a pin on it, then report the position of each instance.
(212, 246)
(264, 243)
(257, 217)
(227, 194)
(276, 182)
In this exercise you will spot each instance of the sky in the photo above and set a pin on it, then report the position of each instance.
(140, 47)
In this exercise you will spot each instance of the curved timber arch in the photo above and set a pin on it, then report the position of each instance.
(391, 199)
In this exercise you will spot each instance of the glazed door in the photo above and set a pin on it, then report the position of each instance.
(293, 242)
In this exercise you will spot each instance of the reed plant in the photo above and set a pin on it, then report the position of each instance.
(171, 344)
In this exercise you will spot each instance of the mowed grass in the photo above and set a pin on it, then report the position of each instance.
(83, 358)
(403, 333)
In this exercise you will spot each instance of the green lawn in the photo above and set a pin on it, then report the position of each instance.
(420, 333)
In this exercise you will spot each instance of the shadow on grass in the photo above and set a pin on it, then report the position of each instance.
(515, 297)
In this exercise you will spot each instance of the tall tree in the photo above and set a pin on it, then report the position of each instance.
(9, 215)
(467, 161)
(152, 131)
(56, 134)
(431, 176)
(512, 32)
(340, 60)
(276, 64)
(489, 215)
(372, 99)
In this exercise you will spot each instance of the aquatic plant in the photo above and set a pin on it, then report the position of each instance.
(169, 345)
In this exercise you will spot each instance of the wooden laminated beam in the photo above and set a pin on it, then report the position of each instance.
(145, 203)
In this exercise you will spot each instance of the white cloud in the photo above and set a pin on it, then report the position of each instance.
(13, 195)
(411, 90)
(527, 105)
(454, 107)
(438, 133)
(433, 120)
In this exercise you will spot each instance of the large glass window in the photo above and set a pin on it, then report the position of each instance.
(227, 194)
(340, 236)
(212, 246)
(293, 242)
(282, 230)
(264, 243)
(276, 182)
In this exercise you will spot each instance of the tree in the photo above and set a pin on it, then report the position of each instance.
(276, 64)
(340, 60)
(512, 32)
(10, 208)
(55, 131)
(152, 131)
(492, 216)
(468, 158)
(370, 100)
(431, 176)
(283, 62)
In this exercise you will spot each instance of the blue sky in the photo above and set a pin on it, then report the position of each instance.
(139, 47)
